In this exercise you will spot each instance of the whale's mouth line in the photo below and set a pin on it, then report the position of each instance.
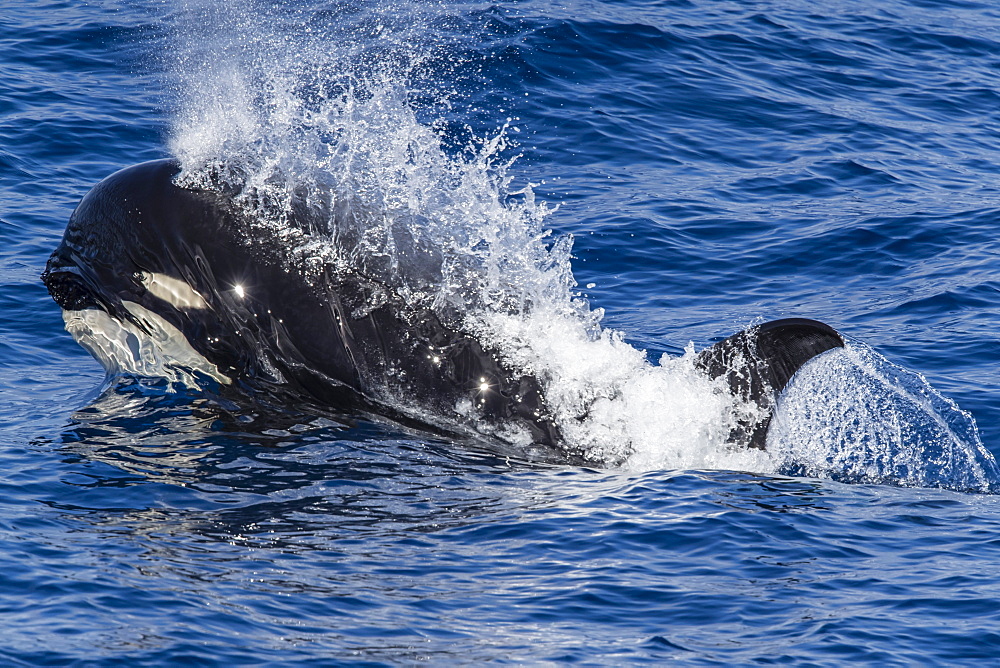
(70, 290)
(75, 288)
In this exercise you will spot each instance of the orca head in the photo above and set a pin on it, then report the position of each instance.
(149, 273)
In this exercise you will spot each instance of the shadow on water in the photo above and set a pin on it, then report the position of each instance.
(225, 470)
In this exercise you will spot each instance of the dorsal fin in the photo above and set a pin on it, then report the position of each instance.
(759, 361)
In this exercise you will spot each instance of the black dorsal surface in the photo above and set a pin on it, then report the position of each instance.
(269, 327)
(759, 361)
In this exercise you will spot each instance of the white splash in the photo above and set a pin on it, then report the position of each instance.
(852, 415)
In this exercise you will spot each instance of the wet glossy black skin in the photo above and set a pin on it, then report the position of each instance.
(293, 337)
(758, 363)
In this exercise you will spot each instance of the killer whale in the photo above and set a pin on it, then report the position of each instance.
(180, 267)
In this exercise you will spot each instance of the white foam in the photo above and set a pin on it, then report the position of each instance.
(610, 403)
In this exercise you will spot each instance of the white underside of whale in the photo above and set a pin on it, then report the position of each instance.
(161, 351)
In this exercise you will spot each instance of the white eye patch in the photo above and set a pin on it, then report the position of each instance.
(174, 291)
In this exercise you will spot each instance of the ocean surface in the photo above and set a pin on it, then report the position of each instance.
(713, 164)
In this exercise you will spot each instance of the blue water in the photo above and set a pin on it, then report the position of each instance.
(716, 163)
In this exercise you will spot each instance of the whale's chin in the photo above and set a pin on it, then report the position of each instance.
(156, 349)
